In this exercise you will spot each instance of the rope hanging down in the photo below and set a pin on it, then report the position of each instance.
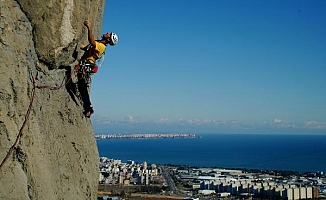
(21, 131)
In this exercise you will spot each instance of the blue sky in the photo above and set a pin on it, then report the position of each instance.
(213, 66)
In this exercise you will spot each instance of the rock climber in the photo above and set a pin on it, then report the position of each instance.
(87, 66)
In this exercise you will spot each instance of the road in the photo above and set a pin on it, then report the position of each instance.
(169, 181)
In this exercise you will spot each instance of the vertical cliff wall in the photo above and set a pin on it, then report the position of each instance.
(57, 156)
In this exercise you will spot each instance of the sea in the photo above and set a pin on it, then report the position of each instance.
(300, 153)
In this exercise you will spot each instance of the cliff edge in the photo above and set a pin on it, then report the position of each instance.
(57, 156)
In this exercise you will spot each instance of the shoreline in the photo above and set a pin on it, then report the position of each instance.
(146, 136)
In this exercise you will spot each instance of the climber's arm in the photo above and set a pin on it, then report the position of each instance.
(91, 39)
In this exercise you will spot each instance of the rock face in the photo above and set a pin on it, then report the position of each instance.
(57, 156)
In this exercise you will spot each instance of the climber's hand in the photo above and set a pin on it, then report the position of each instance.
(87, 23)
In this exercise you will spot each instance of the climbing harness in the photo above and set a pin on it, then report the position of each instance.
(85, 70)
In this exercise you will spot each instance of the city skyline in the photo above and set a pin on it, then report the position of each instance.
(213, 67)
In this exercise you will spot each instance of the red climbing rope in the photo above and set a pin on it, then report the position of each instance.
(21, 131)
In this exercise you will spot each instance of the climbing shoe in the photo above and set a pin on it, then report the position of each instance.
(89, 112)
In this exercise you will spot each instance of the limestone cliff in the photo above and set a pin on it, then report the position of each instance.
(57, 157)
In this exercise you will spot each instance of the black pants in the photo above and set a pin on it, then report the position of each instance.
(82, 87)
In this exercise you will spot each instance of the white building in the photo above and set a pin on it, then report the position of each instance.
(206, 192)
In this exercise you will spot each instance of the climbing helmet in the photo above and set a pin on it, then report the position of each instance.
(113, 39)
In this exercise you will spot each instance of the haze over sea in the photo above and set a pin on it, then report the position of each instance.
(300, 153)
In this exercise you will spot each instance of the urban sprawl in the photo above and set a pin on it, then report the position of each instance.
(209, 183)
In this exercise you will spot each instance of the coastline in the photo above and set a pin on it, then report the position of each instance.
(146, 136)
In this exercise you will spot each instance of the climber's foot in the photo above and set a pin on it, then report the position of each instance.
(89, 112)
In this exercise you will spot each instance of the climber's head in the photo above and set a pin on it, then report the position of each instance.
(111, 38)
